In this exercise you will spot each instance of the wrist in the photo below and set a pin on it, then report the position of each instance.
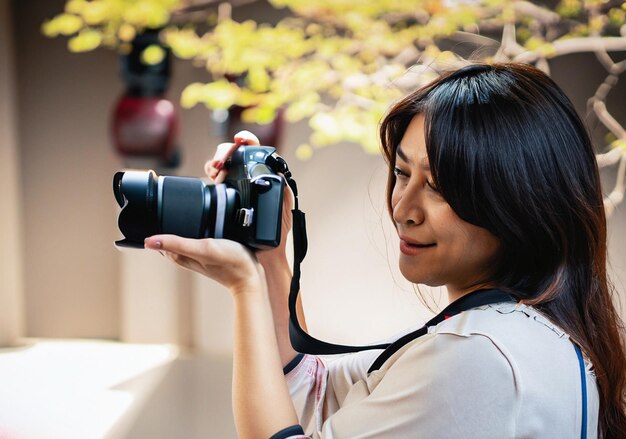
(274, 266)
(253, 285)
(271, 257)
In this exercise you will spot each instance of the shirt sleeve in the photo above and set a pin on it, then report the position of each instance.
(441, 386)
(306, 381)
(318, 385)
(293, 432)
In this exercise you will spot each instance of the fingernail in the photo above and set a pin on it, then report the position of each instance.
(156, 245)
(219, 165)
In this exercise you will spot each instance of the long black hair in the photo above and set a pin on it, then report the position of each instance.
(509, 153)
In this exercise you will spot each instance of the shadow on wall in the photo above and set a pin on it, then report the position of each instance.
(184, 404)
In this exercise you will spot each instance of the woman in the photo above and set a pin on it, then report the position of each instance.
(493, 186)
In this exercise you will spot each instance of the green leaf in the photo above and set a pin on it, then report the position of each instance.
(86, 40)
(63, 24)
(153, 54)
(619, 144)
(303, 107)
(304, 152)
(258, 79)
(96, 12)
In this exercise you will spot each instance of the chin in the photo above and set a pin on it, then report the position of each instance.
(418, 277)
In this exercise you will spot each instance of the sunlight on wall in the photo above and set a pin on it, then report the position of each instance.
(76, 389)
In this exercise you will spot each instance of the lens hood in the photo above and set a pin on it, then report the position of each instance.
(135, 192)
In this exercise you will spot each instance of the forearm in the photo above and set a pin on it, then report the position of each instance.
(278, 277)
(261, 402)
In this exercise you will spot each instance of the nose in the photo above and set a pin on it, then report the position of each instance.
(408, 209)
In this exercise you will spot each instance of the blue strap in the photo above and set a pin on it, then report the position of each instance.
(583, 381)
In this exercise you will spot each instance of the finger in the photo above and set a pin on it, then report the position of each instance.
(290, 197)
(184, 261)
(225, 150)
(190, 248)
(213, 167)
(246, 138)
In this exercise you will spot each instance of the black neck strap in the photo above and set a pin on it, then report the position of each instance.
(300, 339)
(472, 300)
(305, 343)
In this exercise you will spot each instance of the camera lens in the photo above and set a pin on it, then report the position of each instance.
(182, 206)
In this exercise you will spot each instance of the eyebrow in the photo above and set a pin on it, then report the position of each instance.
(401, 154)
(423, 163)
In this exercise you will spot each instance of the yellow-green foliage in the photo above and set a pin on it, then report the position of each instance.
(338, 63)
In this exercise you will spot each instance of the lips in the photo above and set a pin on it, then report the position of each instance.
(411, 247)
(415, 242)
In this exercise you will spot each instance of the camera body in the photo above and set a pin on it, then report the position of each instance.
(246, 208)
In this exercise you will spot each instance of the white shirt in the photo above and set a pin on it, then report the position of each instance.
(497, 371)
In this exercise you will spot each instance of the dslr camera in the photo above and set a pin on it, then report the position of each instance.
(246, 208)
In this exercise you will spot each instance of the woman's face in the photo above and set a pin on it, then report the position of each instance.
(436, 246)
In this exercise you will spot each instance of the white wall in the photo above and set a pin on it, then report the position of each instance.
(617, 246)
(11, 270)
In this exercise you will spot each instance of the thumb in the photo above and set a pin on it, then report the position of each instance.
(191, 248)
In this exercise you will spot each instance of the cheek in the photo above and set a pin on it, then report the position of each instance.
(466, 241)
(482, 248)
(395, 197)
(491, 249)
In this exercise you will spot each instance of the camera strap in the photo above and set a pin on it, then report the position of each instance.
(300, 339)
(305, 343)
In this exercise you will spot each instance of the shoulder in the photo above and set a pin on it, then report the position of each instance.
(519, 332)
(507, 341)
(463, 385)
(502, 318)
(458, 353)
(505, 358)
(503, 348)
(448, 353)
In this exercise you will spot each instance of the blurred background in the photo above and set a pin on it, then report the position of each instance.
(102, 343)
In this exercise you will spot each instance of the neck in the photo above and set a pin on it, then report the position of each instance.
(455, 293)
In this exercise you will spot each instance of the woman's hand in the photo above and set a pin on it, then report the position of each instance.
(225, 261)
(214, 168)
(276, 269)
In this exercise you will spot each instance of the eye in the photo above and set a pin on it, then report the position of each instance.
(399, 173)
